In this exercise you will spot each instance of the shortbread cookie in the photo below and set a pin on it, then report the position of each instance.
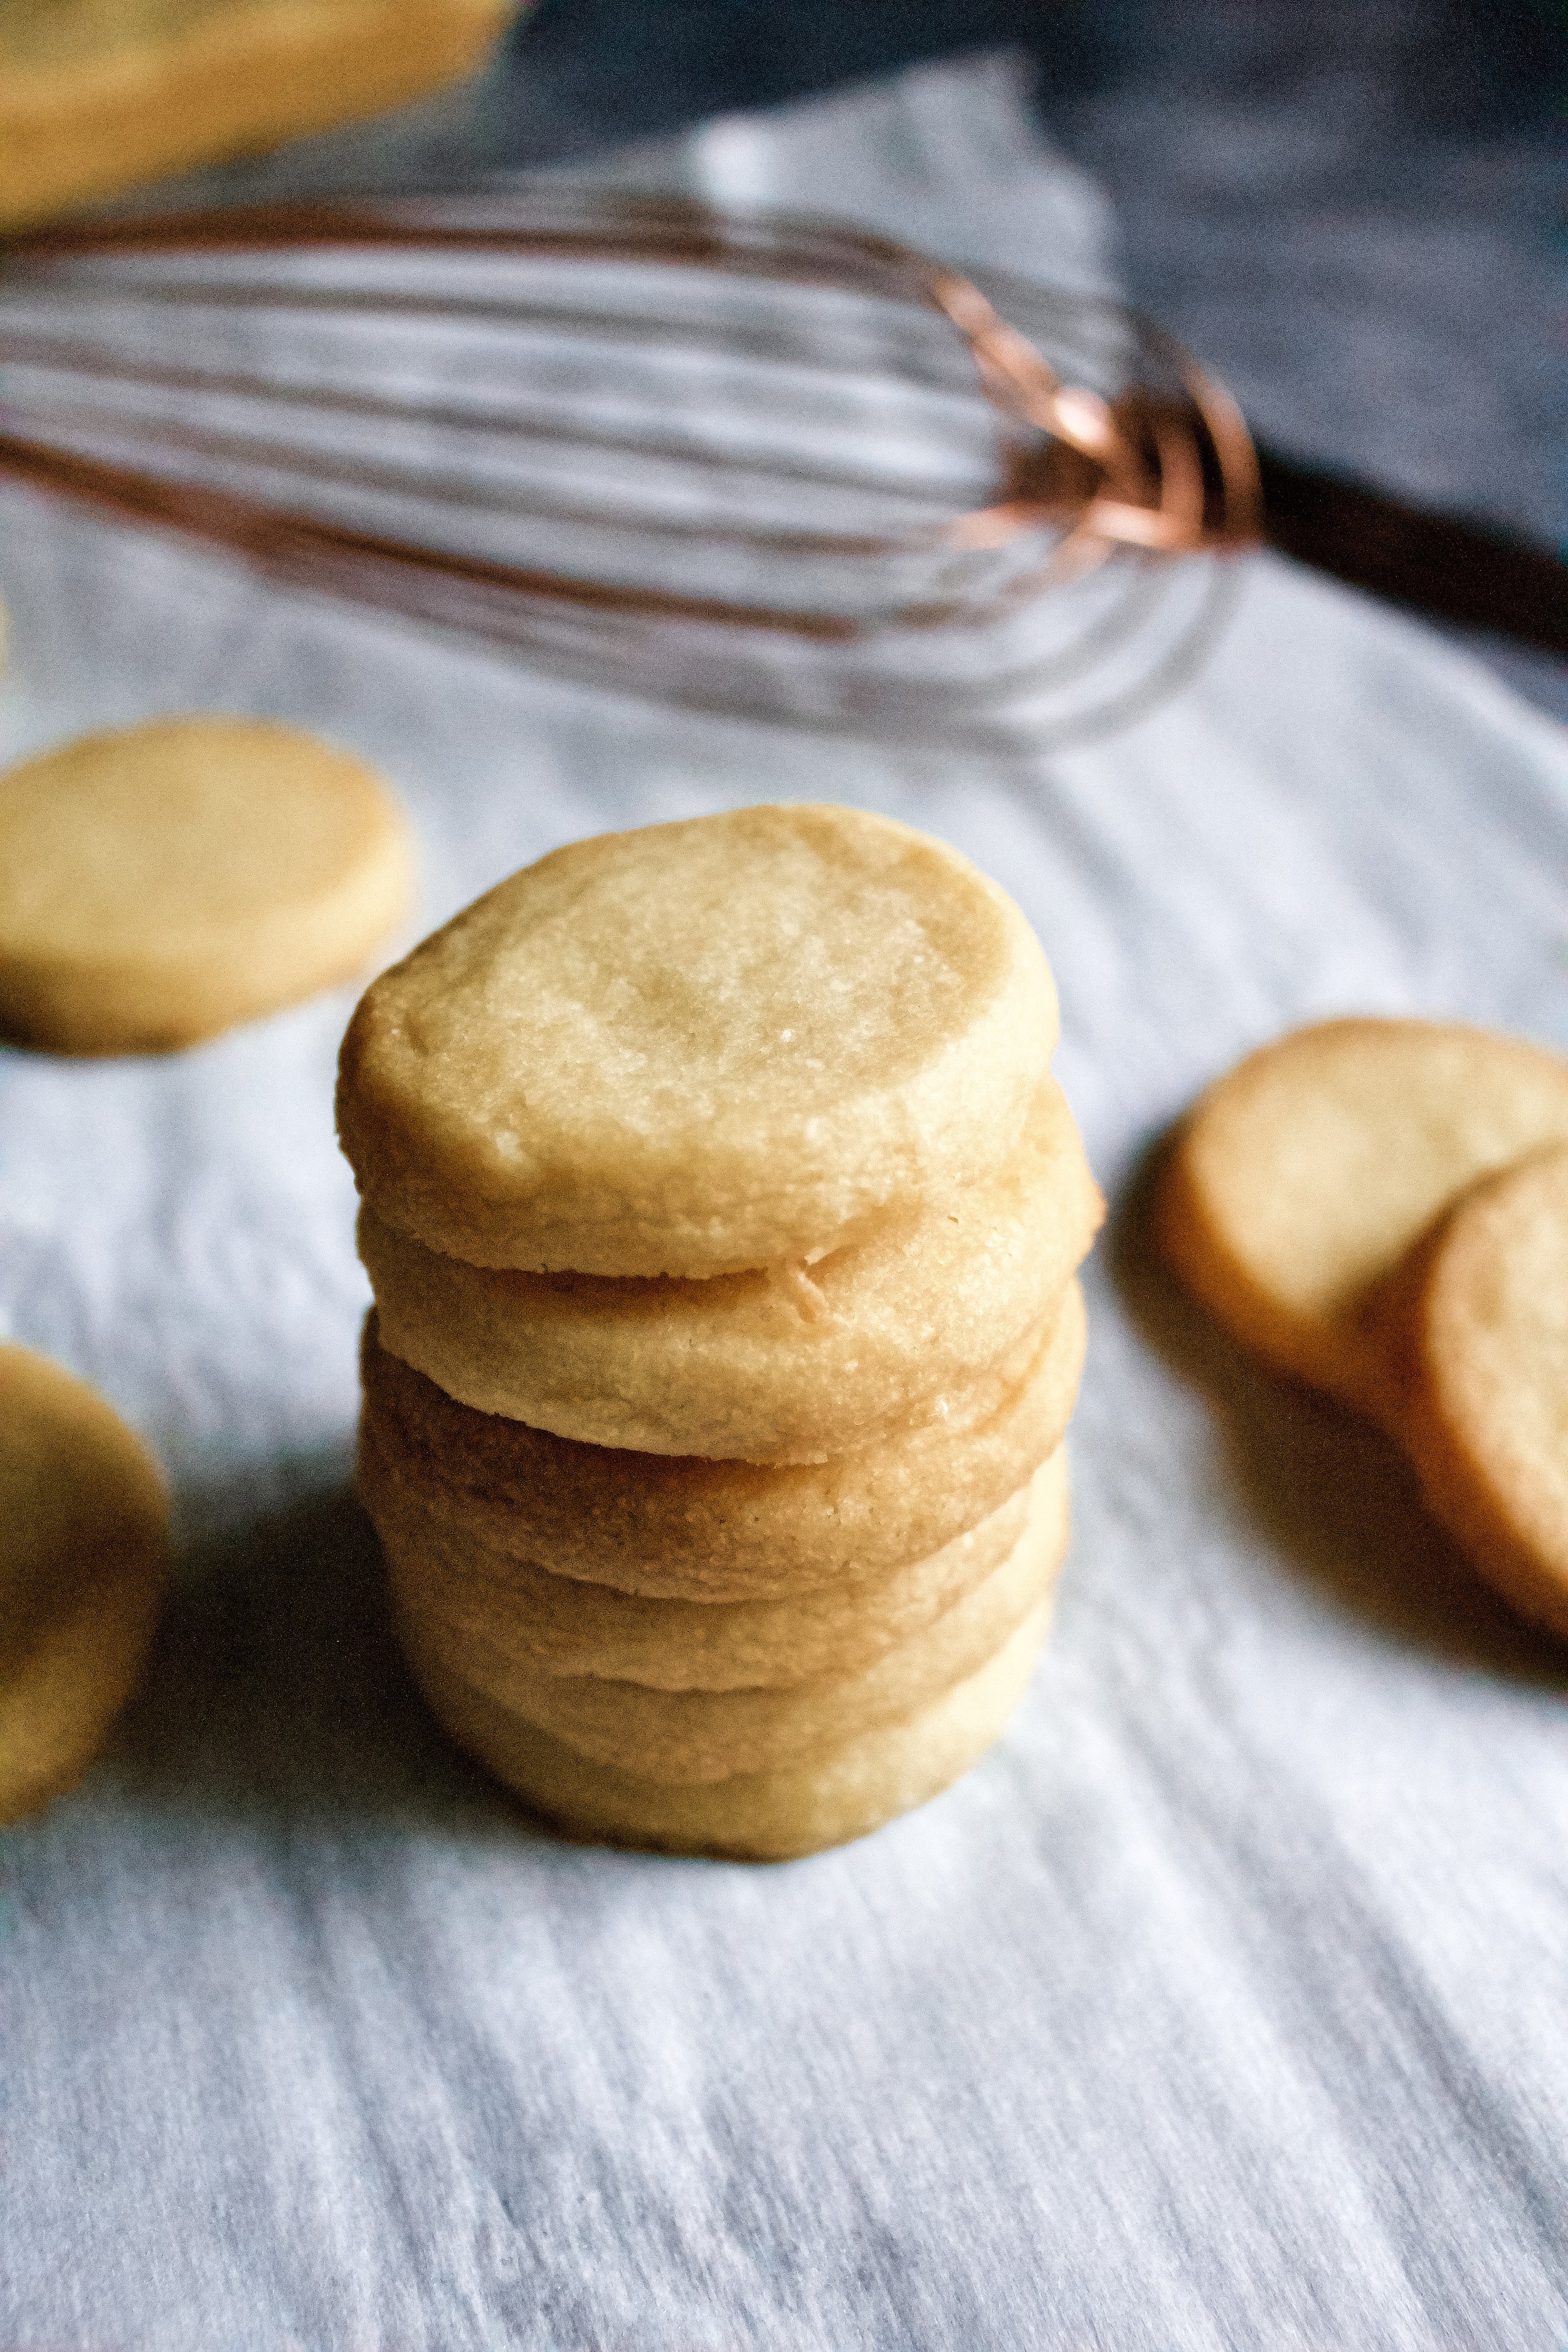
(1477, 1327)
(554, 1624)
(83, 1558)
(789, 1364)
(685, 1530)
(95, 95)
(157, 885)
(699, 1048)
(753, 1817)
(702, 1735)
(1300, 1180)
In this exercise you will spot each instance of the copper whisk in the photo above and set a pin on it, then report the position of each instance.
(751, 462)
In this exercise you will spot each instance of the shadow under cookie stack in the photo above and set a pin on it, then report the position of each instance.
(722, 1218)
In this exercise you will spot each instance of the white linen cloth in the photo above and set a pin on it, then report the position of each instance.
(1223, 2005)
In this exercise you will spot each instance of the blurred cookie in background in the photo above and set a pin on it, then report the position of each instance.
(84, 1539)
(159, 883)
(1478, 1334)
(97, 96)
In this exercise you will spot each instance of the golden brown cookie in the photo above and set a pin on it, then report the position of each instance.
(159, 883)
(1299, 1181)
(755, 1817)
(95, 95)
(708, 1735)
(83, 1558)
(555, 1624)
(935, 1313)
(698, 1048)
(1477, 1330)
(673, 1527)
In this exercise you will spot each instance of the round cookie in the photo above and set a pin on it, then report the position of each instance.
(780, 1365)
(1480, 1343)
(752, 1817)
(702, 1735)
(676, 1528)
(83, 1561)
(698, 1048)
(554, 1624)
(159, 883)
(1297, 1182)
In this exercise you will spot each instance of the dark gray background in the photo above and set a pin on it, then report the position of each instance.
(1353, 210)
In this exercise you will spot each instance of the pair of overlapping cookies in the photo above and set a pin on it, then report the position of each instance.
(1381, 1208)
(722, 1216)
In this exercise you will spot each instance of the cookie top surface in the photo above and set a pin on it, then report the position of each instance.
(158, 883)
(83, 1548)
(1300, 1180)
(698, 1047)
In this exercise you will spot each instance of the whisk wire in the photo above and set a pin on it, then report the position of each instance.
(673, 447)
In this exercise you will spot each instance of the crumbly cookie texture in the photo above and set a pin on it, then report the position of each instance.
(159, 883)
(759, 1816)
(699, 1048)
(1476, 1331)
(784, 1364)
(83, 1558)
(668, 1528)
(1300, 1180)
(97, 95)
(512, 1611)
(706, 1734)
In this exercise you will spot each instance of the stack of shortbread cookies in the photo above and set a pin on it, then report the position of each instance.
(722, 1216)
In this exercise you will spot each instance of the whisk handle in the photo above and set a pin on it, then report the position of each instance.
(1442, 565)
